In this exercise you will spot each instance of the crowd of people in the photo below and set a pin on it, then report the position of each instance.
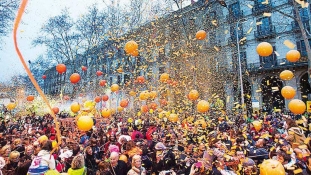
(214, 145)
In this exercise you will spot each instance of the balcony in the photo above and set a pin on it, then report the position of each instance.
(259, 9)
(296, 28)
(277, 64)
(265, 33)
(232, 39)
(233, 17)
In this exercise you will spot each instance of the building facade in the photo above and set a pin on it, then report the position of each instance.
(211, 66)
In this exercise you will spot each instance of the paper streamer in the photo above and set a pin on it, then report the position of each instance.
(34, 82)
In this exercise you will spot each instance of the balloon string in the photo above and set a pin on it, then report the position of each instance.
(34, 82)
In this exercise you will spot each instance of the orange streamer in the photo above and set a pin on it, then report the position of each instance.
(34, 82)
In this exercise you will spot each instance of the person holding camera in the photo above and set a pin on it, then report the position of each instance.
(165, 160)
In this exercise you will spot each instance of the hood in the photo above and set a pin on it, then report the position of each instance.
(43, 153)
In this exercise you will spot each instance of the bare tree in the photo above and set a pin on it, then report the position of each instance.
(60, 38)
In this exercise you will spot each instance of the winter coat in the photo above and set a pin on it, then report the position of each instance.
(42, 163)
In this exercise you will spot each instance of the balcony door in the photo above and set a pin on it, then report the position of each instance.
(270, 61)
(265, 25)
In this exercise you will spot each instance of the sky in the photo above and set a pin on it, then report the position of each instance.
(37, 13)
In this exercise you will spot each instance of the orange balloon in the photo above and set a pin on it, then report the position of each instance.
(61, 68)
(140, 79)
(293, 56)
(200, 35)
(120, 109)
(30, 98)
(75, 107)
(144, 108)
(288, 92)
(75, 78)
(130, 47)
(99, 73)
(203, 106)
(11, 106)
(84, 68)
(105, 98)
(286, 75)
(297, 106)
(135, 53)
(124, 103)
(173, 118)
(102, 82)
(97, 99)
(114, 88)
(144, 95)
(153, 94)
(153, 106)
(85, 123)
(164, 77)
(264, 49)
(132, 93)
(55, 110)
(193, 95)
(106, 113)
(272, 166)
(163, 102)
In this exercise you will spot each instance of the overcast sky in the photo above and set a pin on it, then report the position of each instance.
(37, 13)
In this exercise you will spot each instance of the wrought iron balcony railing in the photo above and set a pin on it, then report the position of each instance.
(276, 64)
(259, 8)
(263, 33)
(295, 26)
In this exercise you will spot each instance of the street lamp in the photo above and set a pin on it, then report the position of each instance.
(239, 59)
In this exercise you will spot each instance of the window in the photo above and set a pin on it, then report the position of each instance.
(119, 79)
(266, 24)
(301, 47)
(243, 60)
(126, 78)
(303, 12)
(234, 10)
(270, 61)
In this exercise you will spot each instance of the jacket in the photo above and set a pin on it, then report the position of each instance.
(42, 163)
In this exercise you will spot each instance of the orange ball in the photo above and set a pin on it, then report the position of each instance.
(130, 47)
(55, 110)
(140, 79)
(106, 113)
(286, 75)
(297, 106)
(75, 78)
(153, 94)
(144, 108)
(11, 106)
(193, 95)
(61, 68)
(293, 56)
(173, 118)
(124, 103)
(264, 49)
(164, 77)
(30, 98)
(97, 99)
(144, 95)
(85, 123)
(200, 35)
(288, 92)
(163, 102)
(105, 98)
(114, 88)
(203, 106)
(135, 53)
(102, 82)
(132, 93)
(153, 106)
(75, 107)
(271, 166)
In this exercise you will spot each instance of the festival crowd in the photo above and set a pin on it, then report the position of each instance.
(213, 145)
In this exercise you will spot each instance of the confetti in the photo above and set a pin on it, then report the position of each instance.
(289, 44)
(267, 14)
(249, 30)
(258, 23)
(249, 6)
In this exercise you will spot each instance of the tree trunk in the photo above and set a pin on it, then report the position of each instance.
(305, 39)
